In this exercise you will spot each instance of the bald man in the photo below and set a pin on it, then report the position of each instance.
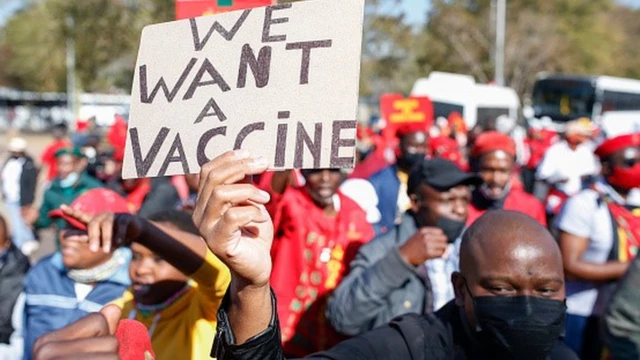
(509, 294)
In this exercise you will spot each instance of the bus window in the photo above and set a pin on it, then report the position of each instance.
(619, 101)
(444, 109)
(563, 99)
(488, 115)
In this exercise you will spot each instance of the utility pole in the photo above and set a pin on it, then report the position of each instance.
(501, 13)
(71, 69)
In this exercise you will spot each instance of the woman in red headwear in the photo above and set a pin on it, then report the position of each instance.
(599, 235)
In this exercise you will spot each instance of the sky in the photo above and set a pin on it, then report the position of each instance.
(416, 10)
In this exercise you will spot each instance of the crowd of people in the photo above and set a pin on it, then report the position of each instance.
(442, 243)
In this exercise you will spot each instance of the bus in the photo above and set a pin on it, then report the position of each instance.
(477, 103)
(564, 97)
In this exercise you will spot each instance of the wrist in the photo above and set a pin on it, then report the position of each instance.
(405, 254)
(241, 288)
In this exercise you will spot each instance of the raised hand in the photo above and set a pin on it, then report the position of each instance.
(232, 218)
(107, 230)
(427, 243)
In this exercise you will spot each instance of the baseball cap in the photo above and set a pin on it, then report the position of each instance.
(17, 144)
(93, 202)
(440, 174)
(73, 151)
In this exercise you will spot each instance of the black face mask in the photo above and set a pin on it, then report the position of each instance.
(519, 327)
(408, 160)
(451, 228)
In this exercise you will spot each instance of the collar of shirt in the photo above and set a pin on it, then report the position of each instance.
(633, 198)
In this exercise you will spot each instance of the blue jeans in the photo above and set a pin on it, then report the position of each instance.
(20, 232)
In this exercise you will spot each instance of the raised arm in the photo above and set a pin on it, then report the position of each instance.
(185, 251)
(237, 228)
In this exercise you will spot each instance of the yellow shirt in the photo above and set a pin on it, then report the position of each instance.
(185, 329)
(404, 202)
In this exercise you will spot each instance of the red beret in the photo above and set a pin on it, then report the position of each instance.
(492, 141)
(612, 145)
(406, 129)
(442, 144)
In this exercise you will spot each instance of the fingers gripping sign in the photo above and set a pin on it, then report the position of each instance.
(232, 218)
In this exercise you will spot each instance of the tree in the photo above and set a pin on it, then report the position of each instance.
(106, 35)
(572, 36)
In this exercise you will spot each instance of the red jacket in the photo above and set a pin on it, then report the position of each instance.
(48, 157)
(311, 253)
(517, 200)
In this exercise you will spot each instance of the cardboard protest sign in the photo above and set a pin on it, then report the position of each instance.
(280, 82)
(399, 111)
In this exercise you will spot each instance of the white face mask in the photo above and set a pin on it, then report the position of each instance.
(70, 180)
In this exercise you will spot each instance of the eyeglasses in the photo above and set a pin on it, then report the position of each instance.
(630, 162)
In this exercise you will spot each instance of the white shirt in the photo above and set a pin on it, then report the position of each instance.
(11, 174)
(82, 290)
(584, 216)
(560, 162)
(440, 270)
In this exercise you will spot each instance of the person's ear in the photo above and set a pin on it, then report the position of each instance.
(606, 168)
(458, 282)
(415, 202)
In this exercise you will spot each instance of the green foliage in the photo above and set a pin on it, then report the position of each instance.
(573, 36)
(105, 33)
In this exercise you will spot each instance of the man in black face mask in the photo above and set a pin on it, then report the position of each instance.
(390, 182)
(408, 269)
(509, 301)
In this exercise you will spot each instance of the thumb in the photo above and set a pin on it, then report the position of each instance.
(112, 313)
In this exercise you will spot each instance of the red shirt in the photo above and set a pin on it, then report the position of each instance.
(311, 253)
(517, 200)
(48, 157)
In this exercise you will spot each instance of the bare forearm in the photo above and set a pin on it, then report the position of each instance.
(611, 270)
(186, 252)
(280, 181)
(250, 310)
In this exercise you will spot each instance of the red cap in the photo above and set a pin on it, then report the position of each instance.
(93, 202)
(492, 141)
(612, 145)
(406, 129)
(134, 341)
(442, 144)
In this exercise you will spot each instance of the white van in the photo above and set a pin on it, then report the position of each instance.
(477, 103)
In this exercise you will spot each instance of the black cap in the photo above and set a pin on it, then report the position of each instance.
(440, 174)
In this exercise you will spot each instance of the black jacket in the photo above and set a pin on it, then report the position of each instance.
(438, 336)
(13, 267)
(28, 181)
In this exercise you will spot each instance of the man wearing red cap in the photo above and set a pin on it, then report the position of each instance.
(493, 157)
(599, 234)
(74, 281)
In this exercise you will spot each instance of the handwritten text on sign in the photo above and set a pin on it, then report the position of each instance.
(280, 81)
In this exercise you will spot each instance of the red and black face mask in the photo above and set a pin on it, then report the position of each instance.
(625, 177)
